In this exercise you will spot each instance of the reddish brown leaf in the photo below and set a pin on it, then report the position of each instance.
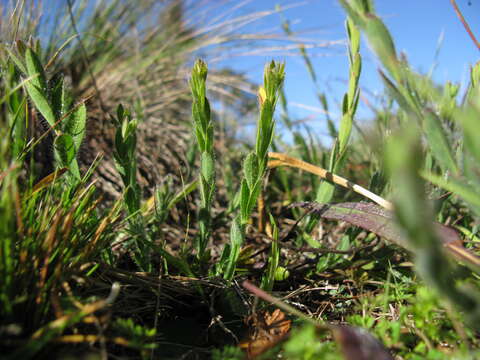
(358, 344)
(266, 330)
(374, 218)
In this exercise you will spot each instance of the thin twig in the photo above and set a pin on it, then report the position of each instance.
(465, 24)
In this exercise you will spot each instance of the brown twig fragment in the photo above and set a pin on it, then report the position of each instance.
(465, 24)
(278, 159)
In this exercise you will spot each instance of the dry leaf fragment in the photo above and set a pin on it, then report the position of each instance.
(267, 330)
(359, 344)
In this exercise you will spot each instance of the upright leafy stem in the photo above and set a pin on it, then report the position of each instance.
(255, 164)
(338, 152)
(126, 163)
(203, 128)
(413, 92)
(125, 159)
(54, 103)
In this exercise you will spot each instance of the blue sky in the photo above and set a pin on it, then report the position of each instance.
(416, 26)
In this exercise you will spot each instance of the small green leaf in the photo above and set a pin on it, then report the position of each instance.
(438, 142)
(41, 102)
(325, 192)
(344, 132)
(18, 63)
(65, 149)
(353, 36)
(381, 41)
(75, 124)
(120, 113)
(132, 199)
(452, 89)
(56, 96)
(250, 169)
(207, 167)
(244, 196)
(254, 192)
(35, 70)
(236, 241)
(475, 75)
(354, 12)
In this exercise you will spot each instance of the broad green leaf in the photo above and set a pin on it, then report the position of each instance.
(41, 103)
(35, 70)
